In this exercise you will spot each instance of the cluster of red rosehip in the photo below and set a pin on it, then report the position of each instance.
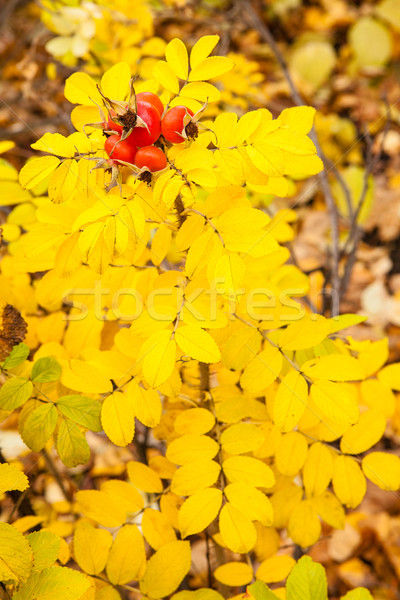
(134, 129)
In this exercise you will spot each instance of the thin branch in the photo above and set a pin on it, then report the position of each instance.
(52, 468)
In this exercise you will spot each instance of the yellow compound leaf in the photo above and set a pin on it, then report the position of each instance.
(166, 569)
(229, 275)
(291, 453)
(275, 568)
(118, 418)
(198, 511)
(336, 401)
(46, 547)
(12, 478)
(262, 370)
(37, 170)
(197, 343)
(348, 481)
(248, 470)
(241, 438)
(55, 143)
(156, 528)
(304, 526)
(81, 89)
(237, 531)
(250, 501)
(382, 469)
(234, 574)
(390, 376)
(318, 469)
(290, 401)
(335, 367)
(365, 434)
(177, 58)
(195, 421)
(16, 554)
(195, 476)
(202, 49)
(91, 547)
(101, 507)
(144, 478)
(127, 556)
(305, 333)
(146, 404)
(211, 67)
(115, 81)
(159, 358)
(190, 447)
(163, 73)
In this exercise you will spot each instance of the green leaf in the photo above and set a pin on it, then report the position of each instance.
(45, 546)
(15, 392)
(46, 369)
(358, 594)
(15, 554)
(72, 445)
(18, 355)
(82, 410)
(38, 426)
(307, 581)
(54, 583)
(261, 591)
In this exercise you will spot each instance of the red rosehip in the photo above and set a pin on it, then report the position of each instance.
(152, 99)
(118, 150)
(139, 136)
(172, 124)
(151, 157)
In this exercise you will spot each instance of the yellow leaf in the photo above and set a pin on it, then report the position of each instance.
(127, 556)
(16, 555)
(84, 377)
(144, 478)
(166, 569)
(160, 244)
(6, 145)
(177, 58)
(115, 81)
(190, 447)
(304, 526)
(390, 376)
(118, 418)
(298, 118)
(199, 253)
(25, 523)
(163, 73)
(91, 547)
(146, 404)
(348, 481)
(197, 343)
(335, 367)
(195, 421)
(283, 502)
(12, 478)
(195, 476)
(55, 143)
(248, 470)
(211, 67)
(81, 89)
(336, 401)
(72, 445)
(275, 568)
(240, 348)
(229, 276)
(202, 48)
(53, 583)
(241, 438)
(329, 509)
(318, 469)
(124, 493)
(201, 91)
(307, 332)
(46, 547)
(290, 401)
(190, 230)
(156, 529)
(365, 434)
(198, 511)
(100, 507)
(237, 531)
(250, 501)
(382, 469)
(234, 574)
(37, 170)
(267, 158)
(159, 357)
(62, 183)
(262, 370)
(291, 453)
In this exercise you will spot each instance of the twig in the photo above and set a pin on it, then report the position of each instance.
(52, 468)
